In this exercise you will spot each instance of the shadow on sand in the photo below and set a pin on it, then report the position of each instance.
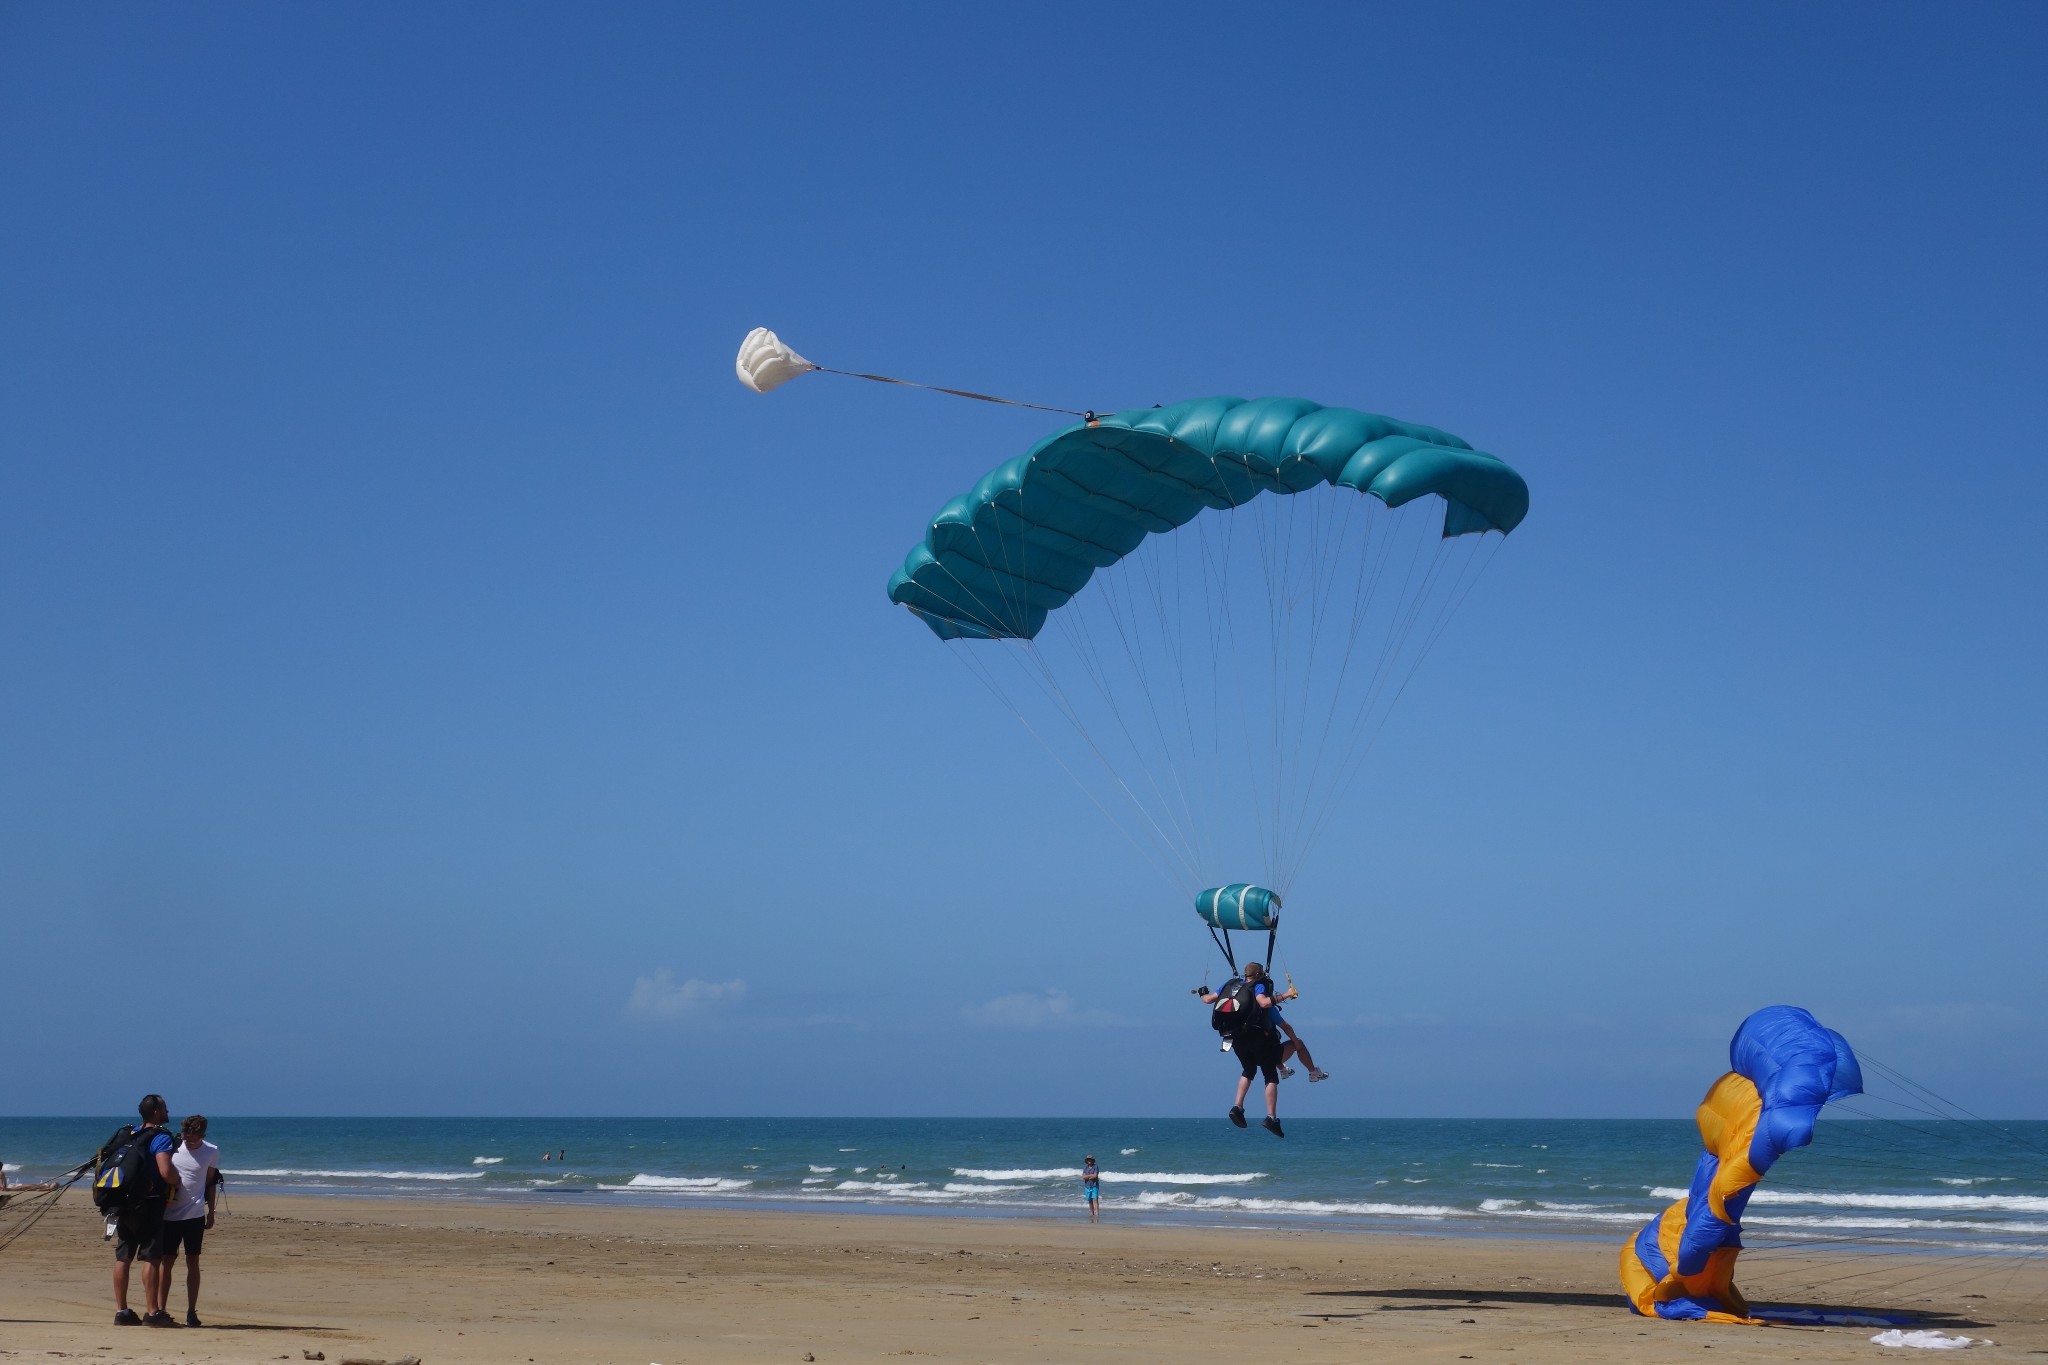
(1448, 1300)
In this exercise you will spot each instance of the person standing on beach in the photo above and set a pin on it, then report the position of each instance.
(140, 1216)
(1091, 1188)
(190, 1213)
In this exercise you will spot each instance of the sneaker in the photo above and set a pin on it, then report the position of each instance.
(1273, 1126)
(192, 1320)
(159, 1319)
(127, 1317)
(1318, 1074)
(1286, 1071)
(1225, 1047)
(1237, 1115)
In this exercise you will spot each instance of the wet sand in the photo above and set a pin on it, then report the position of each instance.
(383, 1279)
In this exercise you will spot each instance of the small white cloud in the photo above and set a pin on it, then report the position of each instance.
(1049, 1008)
(661, 996)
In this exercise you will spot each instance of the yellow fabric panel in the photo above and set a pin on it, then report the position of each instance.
(1636, 1281)
(1727, 1118)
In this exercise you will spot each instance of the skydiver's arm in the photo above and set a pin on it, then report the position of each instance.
(169, 1172)
(1209, 997)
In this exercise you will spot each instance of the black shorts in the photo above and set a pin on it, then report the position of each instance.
(135, 1231)
(1258, 1051)
(180, 1234)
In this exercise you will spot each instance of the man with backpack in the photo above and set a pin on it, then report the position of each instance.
(1239, 1011)
(132, 1181)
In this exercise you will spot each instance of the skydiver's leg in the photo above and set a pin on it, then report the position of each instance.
(1244, 1086)
(1272, 1099)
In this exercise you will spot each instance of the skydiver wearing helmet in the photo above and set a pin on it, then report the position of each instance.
(1253, 1038)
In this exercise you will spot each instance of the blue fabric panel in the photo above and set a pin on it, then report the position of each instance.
(1685, 1310)
(1704, 1233)
(1030, 534)
(1797, 1066)
(1648, 1252)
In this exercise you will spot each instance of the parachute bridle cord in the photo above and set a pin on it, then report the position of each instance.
(957, 393)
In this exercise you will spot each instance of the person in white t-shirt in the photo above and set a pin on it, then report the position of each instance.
(197, 1165)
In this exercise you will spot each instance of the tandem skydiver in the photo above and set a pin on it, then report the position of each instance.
(1253, 1038)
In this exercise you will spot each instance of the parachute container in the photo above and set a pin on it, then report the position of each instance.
(1240, 906)
(1785, 1067)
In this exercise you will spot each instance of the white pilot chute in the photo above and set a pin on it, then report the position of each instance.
(766, 362)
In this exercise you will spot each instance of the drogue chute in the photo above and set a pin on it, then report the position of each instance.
(765, 362)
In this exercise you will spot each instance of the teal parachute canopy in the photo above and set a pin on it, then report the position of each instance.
(1018, 545)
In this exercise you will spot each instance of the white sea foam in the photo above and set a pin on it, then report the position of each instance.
(1928, 1203)
(281, 1173)
(823, 1170)
(849, 1149)
(563, 1180)
(9, 1166)
(1571, 1213)
(1181, 1199)
(953, 1187)
(1128, 1151)
(1499, 1165)
(1111, 1177)
(711, 1183)
(1852, 1224)
(485, 1160)
(897, 1189)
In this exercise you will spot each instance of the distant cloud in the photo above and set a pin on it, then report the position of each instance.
(661, 996)
(1049, 1008)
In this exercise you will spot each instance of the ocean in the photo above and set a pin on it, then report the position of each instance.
(1930, 1185)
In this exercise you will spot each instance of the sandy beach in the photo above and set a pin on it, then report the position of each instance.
(363, 1279)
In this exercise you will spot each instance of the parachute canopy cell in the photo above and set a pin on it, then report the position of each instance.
(765, 363)
(1784, 1066)
(1019, 544)
(1240, 906)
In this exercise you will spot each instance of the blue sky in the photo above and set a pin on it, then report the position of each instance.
(421, 661)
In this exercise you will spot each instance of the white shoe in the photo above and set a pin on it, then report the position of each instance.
(1285, 1071)
(1225, 1047)
(1318, 1075)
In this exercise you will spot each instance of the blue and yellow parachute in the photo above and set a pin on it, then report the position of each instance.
(1785, 1066)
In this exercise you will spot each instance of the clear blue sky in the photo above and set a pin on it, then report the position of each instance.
(412, 638)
